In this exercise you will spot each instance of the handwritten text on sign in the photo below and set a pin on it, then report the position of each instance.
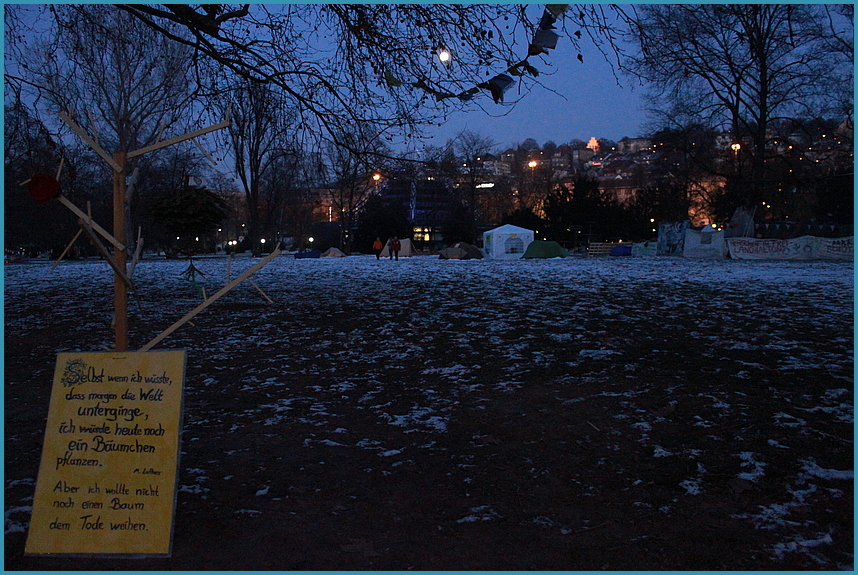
(107, 479)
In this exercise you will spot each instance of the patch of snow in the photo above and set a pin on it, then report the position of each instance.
(659, 451)
(786, 420)
(811, 468)
(12, 526)
(597, 353)
(481, 513)
(193, 489)
(749, 460)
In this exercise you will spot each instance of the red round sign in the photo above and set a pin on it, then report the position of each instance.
(43, 188)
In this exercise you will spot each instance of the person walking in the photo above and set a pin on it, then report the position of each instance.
(377, 246)
(395, 246)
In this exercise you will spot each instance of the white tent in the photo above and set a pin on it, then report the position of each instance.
(706, 244)
(405, 251)
(506, 242)
(333, 253)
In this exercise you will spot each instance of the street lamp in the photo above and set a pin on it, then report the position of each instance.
(532, 165)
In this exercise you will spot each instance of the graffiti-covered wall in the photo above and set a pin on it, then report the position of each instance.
(671, 238)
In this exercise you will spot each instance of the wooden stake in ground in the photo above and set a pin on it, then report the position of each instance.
(65, 251)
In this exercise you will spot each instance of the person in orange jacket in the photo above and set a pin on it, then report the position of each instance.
(377, 246)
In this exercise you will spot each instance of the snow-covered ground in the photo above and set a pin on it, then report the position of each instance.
(740, 370)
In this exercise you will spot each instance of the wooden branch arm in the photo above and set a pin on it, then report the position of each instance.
(92, 143)
(65, 251)
(259, 289)
(60, 169)
(105, 254)
(205, 153)
(116, 243)
(177, 139)
(211, 300)
(137, 252)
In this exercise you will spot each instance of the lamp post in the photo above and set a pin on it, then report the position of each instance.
(737, 147)
(376, 180)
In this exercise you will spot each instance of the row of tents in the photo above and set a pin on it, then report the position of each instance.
(713, 242)
(679, 239)
(507, 242)
(510, 242)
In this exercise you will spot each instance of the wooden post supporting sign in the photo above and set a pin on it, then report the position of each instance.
(120, 289)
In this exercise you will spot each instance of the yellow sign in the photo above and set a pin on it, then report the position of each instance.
(107, 479)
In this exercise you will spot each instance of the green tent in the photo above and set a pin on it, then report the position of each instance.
(544, 249)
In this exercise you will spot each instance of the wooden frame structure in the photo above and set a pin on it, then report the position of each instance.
(118, 162)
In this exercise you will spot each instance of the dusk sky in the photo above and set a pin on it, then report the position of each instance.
(594, 105)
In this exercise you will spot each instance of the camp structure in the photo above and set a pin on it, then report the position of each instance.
(333, 253)
(309, 254)
(507, 242)
(621, 250)
(708, 243)
(645, 249)
(461, 251)
(671, 238)
(544, 250)
(406, 250)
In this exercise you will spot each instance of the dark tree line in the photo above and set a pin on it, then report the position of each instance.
(746, 68)
(308, 118)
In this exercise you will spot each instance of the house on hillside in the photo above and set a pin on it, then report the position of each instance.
(633, 145)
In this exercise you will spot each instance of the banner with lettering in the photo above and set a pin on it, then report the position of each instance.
(706, 244)
(801, 248)
(107, 478)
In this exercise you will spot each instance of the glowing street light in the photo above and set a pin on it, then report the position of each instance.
(444, 55)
